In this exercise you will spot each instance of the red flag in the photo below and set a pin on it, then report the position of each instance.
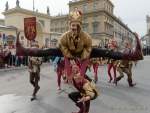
(30, 28)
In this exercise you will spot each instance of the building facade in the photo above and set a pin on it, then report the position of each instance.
(59, 23)
(14, 18)
(122, 32)
(7, 36)
(146, 38)
(98, 20)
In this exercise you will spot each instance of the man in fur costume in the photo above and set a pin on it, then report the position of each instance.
(75, 43)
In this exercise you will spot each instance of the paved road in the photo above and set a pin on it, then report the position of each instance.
(15, 92)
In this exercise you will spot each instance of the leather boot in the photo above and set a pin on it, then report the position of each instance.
(119, 78)
(131, 84)
(81, 107)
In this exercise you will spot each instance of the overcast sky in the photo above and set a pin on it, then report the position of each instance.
(132, 12)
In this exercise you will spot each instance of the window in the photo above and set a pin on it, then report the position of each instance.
(85, 27)
(84, 7)
(62, 30)
(95, 4)
(95, 18)
(42, 22)
(62, 23)
(55, 24)
(106, 27)
(95, 27)
(47, 42)
(85, 20)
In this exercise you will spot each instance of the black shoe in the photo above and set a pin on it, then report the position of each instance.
(33, 98)
(119, 78)
(110, 80)
(115, 82)
(131, 84)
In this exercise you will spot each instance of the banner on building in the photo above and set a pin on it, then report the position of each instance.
(30, 28)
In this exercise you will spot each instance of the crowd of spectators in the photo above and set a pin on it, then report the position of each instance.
(9, 59)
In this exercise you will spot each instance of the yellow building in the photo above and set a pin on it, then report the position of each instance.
(15, 17)
(7, 35)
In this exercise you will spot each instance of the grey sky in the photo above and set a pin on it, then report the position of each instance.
(132, 12)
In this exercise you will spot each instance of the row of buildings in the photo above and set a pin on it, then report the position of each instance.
(98, 20)
(146, 38)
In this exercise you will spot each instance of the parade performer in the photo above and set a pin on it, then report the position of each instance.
(76, 43)
(34, 71)
(5, 55)
(86, 92)
(59, 68)
(72, 47)
(125, 66)
(95, 63)
(112, 45)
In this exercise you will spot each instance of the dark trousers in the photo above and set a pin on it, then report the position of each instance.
(59, 75)
(34, 79)
(84, 107)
